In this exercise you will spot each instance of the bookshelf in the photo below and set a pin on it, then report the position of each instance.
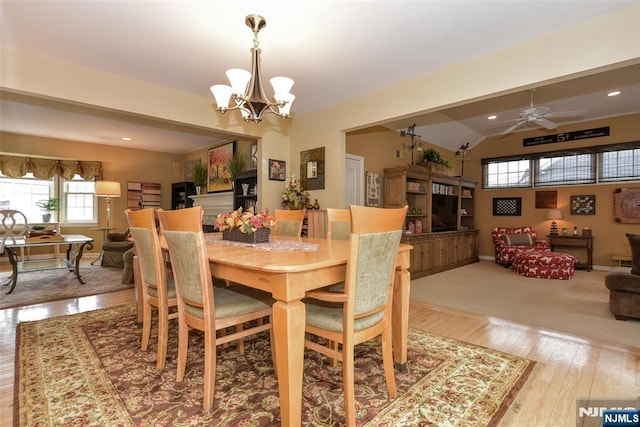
(143, 195)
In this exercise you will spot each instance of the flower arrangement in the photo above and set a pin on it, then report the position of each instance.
(292, 198)
(246, 222)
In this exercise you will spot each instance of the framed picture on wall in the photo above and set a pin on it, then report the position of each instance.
(583, 205)
(373, 189)
(546, 199)
(277, 170)
(507, 206)
(218, 175)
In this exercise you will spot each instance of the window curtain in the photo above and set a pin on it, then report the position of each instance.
(17, 167)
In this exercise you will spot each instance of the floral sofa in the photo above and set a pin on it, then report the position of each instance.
(510, 240)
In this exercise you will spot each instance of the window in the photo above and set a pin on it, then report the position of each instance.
(590, 165)
(621, 165)
(509, 174)
(77, 198)
(21, 194)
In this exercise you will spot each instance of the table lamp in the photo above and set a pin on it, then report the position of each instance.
(108, 189)
(554, 214)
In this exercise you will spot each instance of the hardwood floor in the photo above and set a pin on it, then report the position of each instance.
(568, 368)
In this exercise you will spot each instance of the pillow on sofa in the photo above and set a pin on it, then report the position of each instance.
(518, 239)
(634, 242)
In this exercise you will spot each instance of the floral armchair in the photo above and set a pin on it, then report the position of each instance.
(510, 240)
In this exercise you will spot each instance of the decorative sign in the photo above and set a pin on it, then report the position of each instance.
(373, 189)
(568, 136)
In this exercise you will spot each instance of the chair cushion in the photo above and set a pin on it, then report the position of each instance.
(634, 242)
(229, 303)
(171, 289)
(518, 239)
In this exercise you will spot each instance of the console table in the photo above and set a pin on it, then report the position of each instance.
(574, 242)
(75, 246)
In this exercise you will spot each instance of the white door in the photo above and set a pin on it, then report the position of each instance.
(354, 180)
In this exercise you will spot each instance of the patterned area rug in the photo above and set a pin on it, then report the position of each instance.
(36, 287)
(87, 369)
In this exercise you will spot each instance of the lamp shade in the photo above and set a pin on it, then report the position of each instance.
(554, 214)
(107, 189)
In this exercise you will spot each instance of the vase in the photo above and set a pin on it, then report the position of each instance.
(245, 189)
(261, 235)
(316, 205)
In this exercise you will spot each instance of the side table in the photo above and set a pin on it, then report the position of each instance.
(574, 242)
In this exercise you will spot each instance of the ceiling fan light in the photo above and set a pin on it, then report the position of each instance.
(222, 95)
(281, 87)
(614, 93)
(239, 79)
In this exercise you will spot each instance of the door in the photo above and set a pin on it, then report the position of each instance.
(354, 180)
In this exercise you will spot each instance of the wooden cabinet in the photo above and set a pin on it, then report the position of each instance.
(440, 220)
(180, 192)
(245, 190)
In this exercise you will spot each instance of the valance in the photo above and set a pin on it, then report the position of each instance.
(17, 167)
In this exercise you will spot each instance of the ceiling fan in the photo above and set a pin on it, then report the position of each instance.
(538, 116)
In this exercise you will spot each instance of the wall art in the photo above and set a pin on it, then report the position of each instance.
(546, 199)
(312, 169)
(507, 206)
(277, 170)
(219, 178)
(583, 205)
(626, 205)
(373, 189)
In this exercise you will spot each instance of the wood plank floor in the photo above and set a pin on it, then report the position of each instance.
(569, 367)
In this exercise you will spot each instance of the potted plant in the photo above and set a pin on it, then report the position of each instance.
(434, 157)
(48, 206)
(199, 176)
(236, 164)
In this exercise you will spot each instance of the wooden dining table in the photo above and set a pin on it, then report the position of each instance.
(288, 275)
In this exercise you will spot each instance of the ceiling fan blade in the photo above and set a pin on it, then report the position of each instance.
(512, 128)
(561, 114)
(536, 111)
(548, 124)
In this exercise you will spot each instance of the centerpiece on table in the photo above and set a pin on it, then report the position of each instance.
(246, 226)
(292, 198)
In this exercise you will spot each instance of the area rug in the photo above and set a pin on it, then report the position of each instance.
(88, 369)
(36, 287)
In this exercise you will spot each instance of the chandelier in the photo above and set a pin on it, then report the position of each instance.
(246, 88)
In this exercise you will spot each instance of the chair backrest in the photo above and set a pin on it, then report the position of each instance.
(289, 222)
(13, 223)
(142, 226)
(375, 237)
(189, 219)
(187, 249)
(338, 224)
(497, 233)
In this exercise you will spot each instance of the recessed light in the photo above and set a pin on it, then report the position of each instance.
(614, 93)
(126, 138)
(492, 117)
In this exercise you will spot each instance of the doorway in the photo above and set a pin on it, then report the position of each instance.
(354, 180)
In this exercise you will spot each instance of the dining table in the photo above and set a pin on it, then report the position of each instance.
(289, 267)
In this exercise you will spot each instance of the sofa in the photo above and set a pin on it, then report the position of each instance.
(624, 285)
(510, 240)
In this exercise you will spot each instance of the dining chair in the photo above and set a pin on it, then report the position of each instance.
(338, 224)
(158, 289)
(363, 310)
(202, 306)
(289, 222)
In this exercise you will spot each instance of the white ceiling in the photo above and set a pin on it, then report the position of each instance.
(334, 50)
